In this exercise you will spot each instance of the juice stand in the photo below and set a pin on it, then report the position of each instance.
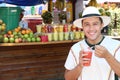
(33, 60)
(37, 60)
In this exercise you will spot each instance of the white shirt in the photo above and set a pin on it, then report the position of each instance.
(99, 69)
(23, 24)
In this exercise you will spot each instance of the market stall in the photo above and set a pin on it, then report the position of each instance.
(24, 56)
(27, 57)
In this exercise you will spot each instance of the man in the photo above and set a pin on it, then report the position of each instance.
(23, 23)
(105, 51)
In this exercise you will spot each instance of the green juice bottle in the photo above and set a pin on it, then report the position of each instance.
(33, 10)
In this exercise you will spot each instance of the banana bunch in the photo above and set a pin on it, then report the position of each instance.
(59, 4)
(93, 3)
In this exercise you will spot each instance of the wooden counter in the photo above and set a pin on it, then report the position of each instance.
(34, 61)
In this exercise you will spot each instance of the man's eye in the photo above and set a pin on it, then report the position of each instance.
(86, 24)
(96, 24)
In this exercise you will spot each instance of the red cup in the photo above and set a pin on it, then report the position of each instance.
(88, 56)
(44, 38)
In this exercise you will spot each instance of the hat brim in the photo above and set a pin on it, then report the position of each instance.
(106, 21)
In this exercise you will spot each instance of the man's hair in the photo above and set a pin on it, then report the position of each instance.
(100, 19)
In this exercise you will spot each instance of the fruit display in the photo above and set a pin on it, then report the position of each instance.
(48, 32)
(2, 30)
(19, 35)
(115, 17)
(112, 10)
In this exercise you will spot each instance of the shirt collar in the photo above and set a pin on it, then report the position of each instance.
(93, 45)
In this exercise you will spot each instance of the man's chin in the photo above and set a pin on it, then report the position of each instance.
(92, 38)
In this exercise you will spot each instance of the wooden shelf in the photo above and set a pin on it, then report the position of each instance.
(38, 43)
(46, 43)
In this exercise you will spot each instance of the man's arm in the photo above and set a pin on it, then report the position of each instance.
(102, 52)
(74, 73)
(115, 65)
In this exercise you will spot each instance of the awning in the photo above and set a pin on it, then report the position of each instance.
(23, 2)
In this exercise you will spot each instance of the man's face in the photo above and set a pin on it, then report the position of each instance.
(92, 28)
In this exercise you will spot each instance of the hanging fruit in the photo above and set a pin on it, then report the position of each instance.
(59, 4)
(93, 3)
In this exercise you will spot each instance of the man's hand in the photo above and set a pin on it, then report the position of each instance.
(101, 51)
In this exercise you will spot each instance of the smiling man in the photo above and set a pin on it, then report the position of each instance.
(105, 61)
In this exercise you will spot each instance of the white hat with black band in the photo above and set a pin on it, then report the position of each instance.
(91, 12)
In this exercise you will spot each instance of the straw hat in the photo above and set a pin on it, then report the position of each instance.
(90, 12)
